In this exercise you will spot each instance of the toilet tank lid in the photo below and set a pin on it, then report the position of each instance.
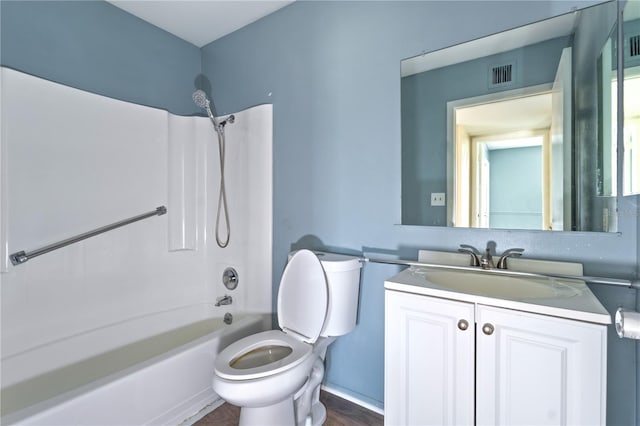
(334, 262)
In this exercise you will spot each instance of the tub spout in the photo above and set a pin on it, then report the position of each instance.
(224, 300)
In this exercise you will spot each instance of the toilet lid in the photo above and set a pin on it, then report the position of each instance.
(303, 297)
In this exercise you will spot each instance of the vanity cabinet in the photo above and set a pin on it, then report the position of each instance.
(450, 362)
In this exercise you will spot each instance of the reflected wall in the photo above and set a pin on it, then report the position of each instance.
(424, 97)
(571, 168)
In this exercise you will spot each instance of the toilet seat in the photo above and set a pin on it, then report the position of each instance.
(303, 299)
(299, 352)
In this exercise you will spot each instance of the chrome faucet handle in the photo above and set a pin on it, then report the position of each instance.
(514, 252)
(471, 251)
(469, 247)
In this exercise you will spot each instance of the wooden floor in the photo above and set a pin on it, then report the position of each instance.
(340, 412)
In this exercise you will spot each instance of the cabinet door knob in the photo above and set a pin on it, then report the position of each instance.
(463, 324)
(487, 329)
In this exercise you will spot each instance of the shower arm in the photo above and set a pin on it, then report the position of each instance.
(20, 257)
(219, 126)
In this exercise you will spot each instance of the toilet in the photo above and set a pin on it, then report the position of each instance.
(275, 376)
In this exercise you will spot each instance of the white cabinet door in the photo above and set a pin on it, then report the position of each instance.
(535, 369)
(429, 361)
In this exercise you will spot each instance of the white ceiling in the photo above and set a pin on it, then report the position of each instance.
(529, 112)
(200, 21)
(516, 38)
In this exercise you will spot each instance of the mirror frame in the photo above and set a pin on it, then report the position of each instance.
(620, 94)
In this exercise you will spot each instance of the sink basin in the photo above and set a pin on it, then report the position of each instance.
(494, 285)
(540, 294)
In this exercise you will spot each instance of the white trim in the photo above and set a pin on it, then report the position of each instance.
(353, 399)
(451, 133)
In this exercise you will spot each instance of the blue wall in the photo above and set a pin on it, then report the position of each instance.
(332, 72)
(331, 69)
(424, 118)
(94, 46)
(515, 188)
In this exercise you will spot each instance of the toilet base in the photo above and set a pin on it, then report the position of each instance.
(277, 414)
(309, 409)
(318, 413)
(317, 416)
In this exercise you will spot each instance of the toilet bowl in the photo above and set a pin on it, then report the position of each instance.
(261, 373)
(249, 370)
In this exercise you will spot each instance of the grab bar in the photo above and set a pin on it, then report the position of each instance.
(21, 256)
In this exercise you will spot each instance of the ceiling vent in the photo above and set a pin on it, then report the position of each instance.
(502, 75)
(634, 46)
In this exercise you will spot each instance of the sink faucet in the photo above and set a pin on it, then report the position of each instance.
(486, 261)
(514, 252)
(471, 251)
(224, 300)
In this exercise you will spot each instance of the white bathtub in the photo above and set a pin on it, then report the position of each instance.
(153, 369)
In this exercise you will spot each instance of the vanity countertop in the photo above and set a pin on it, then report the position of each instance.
(564, 298)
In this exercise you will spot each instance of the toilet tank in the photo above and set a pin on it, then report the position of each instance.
(343, 280)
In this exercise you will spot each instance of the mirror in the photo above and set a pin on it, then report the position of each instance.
(512, 130)
(631, 132)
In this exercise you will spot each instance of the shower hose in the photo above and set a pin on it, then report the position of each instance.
(222, 196)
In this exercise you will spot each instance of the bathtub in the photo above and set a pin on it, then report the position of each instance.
(152, 369)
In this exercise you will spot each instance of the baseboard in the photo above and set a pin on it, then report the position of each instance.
(353, 399)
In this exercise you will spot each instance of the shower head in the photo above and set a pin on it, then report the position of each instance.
(200, 99)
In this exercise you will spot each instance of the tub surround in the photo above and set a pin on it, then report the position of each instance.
(85, 160)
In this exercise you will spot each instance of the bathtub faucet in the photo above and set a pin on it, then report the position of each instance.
(224, 300)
